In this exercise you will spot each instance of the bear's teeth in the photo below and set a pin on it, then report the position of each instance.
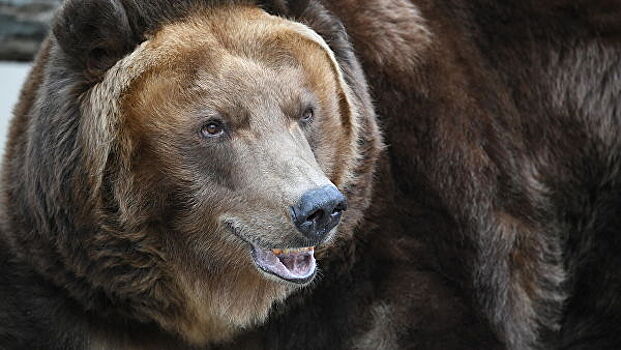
(289, 251)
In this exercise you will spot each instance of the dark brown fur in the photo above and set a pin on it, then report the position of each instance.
(493, 222)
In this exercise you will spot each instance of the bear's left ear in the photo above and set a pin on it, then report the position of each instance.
(94, 33)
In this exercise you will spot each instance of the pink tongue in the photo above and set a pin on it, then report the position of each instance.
(292, 266)
(296, 263)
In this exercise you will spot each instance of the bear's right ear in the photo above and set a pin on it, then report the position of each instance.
(94, 33)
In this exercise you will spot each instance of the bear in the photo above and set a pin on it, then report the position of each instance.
(211, 174)
(169, 179)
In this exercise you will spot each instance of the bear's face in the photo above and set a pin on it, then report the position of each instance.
(241, 133)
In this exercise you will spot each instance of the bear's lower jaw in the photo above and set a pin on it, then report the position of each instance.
(296, 266)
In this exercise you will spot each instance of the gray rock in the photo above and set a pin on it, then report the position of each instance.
(23, 25)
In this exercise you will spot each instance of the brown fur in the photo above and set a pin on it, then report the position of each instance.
(491, 224)
(150, 205)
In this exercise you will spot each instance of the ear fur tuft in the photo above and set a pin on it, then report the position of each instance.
(94, 33)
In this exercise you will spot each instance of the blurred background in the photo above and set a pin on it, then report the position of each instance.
(23, 25)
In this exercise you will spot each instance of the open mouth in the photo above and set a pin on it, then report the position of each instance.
(292, 265)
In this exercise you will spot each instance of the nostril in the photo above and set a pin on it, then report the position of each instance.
(341, 207)
(315, 216)
(318, 211)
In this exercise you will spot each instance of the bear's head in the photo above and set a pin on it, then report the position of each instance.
(182, 163)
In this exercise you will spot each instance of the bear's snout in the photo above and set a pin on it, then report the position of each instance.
(318, 211)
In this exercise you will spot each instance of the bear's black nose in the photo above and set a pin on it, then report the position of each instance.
(318, 212)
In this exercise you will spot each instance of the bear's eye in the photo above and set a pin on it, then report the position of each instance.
(212, 129)
(308, 115)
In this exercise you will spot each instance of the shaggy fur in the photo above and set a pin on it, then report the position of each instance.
(492, 223)
(122, 209)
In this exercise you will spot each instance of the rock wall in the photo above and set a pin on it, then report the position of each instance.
(23, 24)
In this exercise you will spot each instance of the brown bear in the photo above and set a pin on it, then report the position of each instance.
(177, 173)
(168, 182)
